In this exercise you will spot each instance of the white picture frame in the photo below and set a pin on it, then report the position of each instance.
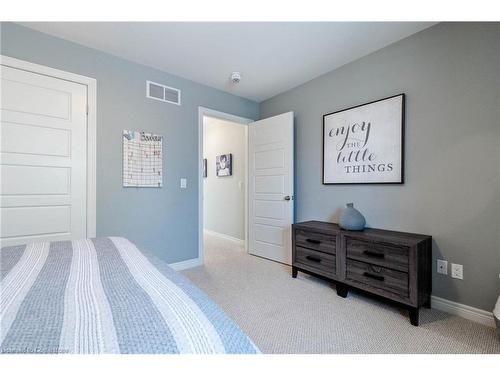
(365, 144)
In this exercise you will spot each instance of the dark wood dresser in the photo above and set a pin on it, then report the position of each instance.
(393, 265)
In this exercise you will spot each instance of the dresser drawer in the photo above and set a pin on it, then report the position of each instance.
(315, 261)
(371, 276)
(378, 253)
(316, 241)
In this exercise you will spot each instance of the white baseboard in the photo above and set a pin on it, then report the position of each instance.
(225, 237)
(184, 265)
(464, 311)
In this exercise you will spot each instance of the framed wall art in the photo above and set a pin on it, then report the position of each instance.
(365, 144)
(224, 165)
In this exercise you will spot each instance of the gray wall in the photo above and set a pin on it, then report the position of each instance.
(224, 197)
(163, 220)
(451, 75)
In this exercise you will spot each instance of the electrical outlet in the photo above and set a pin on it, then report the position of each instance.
(442, 267)
(183, 183)
(457, 271)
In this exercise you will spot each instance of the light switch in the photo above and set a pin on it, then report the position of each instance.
(183, 183)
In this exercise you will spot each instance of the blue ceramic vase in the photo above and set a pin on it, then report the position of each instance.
(352, 219)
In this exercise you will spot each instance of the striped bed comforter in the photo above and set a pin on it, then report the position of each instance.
(103, 295)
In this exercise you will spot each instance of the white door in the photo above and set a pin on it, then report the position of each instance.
(270, 188)
(43, 158)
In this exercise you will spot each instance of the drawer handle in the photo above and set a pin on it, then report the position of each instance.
(372, 276)
(374, 254)
(314, 259)
(310, 240)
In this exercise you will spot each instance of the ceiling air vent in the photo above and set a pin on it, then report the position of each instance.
(163, 93)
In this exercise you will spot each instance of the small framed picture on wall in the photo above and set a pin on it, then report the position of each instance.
(365, 144)
(224, 165)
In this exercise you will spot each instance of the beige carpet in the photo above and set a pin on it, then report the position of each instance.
(304, 315)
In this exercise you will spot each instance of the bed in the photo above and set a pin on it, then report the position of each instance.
(104, 295)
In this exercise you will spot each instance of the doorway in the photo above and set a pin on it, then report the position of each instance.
(267, 187)
(223, 152)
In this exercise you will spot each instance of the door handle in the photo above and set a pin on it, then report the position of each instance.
(287, 198)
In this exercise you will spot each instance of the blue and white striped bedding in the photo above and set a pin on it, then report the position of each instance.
(104, 295)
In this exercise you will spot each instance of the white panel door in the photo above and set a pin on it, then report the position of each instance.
(42, 158)
(270, 187)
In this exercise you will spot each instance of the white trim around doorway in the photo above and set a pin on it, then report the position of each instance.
(202, 111)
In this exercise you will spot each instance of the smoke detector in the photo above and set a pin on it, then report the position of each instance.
(235, 77)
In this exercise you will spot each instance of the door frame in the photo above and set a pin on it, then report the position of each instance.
(203, 111)
(91, 84)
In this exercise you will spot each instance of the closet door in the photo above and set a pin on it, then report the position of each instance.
(43, 158)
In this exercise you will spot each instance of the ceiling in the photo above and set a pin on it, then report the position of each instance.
(272, 57)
